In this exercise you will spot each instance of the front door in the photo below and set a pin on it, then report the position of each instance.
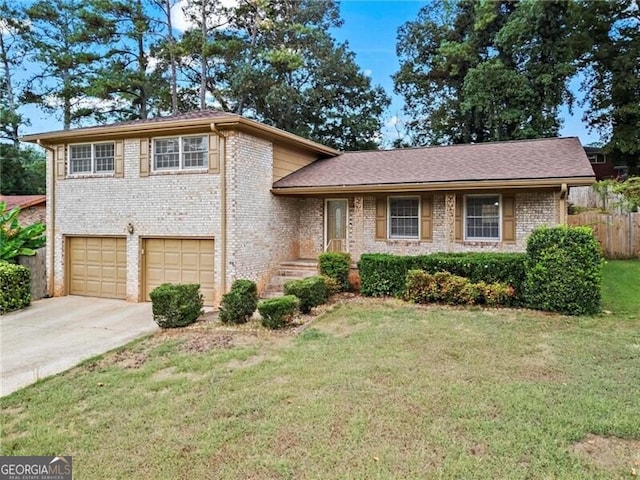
(336, 225)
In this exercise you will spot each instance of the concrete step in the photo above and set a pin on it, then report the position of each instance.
(288, 270)
(296, 273)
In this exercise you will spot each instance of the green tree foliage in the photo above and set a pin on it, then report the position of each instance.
(612, 76)
(278, 64)
(64, 38)
(127, 80)
(23, 171)
(486, 71)
(16, 240)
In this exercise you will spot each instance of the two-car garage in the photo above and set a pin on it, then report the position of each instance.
(97, 266)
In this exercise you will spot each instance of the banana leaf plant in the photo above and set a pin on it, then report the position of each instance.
(16, 240)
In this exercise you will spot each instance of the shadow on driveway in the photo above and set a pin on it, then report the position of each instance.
(55, 334)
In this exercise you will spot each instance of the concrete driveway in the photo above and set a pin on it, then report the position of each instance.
(54, 334)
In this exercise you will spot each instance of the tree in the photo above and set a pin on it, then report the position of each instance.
(127, 80)
(64, 37)
(206, 16)
(12, 53)
(278, 64)
(612, 76)
(170, 48)
(23, 170)
(486, 71)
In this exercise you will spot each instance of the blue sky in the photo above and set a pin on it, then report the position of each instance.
(370, 27)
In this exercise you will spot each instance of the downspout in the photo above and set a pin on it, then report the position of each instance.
(564, 192)
(51, 228)
(223, 208)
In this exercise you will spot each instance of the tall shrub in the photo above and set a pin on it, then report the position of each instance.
(564, 270)
(336, 265)
(14, 287)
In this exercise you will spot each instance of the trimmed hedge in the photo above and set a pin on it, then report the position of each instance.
(278, 312)
(15, 287)
(385, 274)
(336, 265)
(564, 270)
(443, 287)
(176, 305)
(311, 291)
(238, 305)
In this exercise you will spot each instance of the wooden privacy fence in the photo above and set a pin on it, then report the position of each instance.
(619, 234)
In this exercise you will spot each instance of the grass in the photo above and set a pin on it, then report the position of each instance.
(620, 292)
(373, 389)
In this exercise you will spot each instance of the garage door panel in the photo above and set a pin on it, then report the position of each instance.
(97, 266)
(179, 261)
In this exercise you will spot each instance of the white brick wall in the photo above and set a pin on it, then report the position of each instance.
(167, 205)
(263, 228)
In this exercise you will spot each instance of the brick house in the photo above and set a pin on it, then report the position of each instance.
(211, 197)
(32, 207)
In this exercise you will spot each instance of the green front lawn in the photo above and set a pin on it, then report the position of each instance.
(621, 287)
(373, 389)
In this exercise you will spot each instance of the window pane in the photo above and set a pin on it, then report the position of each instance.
(403, 217)
(194, 152)
(166, 153)
(80, 159)
(104, 153)
(483, 217)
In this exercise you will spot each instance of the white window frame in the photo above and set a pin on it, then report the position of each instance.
(403, 197)
(93, 171)
(181, 152)
(597, 158)
(464, 219)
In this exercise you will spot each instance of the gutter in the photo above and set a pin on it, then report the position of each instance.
(51, 194)
(434, 186)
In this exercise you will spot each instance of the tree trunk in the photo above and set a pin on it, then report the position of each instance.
(203, 58)
(12, 128)
(172, 60)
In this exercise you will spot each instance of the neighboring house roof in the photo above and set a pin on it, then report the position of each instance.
(183, 123)
(542, 162)
(23, 201)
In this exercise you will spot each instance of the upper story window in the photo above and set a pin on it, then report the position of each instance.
(90, 158)
(482, 217)
(596, 158)
(404, 217)
(180, 153)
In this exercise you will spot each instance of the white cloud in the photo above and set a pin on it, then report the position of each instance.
(182, 23)
(368, 72)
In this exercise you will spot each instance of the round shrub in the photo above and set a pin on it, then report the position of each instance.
(311, 292)
(176, 305)
(278, 312)
(238, 305)
(564, 270)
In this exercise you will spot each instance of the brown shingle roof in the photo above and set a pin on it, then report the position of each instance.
(524, 159)
(22, 201)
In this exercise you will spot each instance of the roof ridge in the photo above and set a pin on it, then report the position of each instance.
(501, 142)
